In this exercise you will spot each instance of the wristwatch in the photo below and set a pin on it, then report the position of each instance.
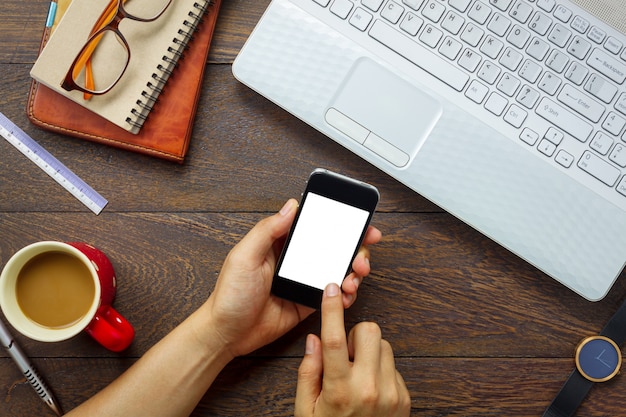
(598, 359)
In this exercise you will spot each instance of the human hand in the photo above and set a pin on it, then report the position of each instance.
(243, 312)
(347, 377)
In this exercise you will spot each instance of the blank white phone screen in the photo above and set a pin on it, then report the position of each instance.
(323, 242)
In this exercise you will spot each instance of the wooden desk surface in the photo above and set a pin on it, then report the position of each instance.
(476, 331)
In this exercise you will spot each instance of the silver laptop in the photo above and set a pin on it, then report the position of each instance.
(509, 114)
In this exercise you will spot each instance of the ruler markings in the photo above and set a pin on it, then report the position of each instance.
(51, 166)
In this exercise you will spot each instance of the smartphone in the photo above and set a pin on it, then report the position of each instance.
(327, 232)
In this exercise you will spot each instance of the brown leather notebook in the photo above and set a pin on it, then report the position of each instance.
(167, 131)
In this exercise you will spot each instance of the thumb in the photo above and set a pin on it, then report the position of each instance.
(262, 236)
(309, 378)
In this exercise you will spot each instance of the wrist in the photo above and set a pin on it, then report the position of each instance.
(208, 337)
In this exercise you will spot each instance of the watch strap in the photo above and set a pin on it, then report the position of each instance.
(570, 396)
(615, 329)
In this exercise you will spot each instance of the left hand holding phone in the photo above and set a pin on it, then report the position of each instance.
(244, 313)
(349, 376)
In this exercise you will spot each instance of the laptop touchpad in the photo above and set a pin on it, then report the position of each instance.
(383, 112)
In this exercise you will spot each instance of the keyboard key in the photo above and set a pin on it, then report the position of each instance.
(322, 3)
(620, 105)
(392, 12)
(598, 168)
(529, 136)
(546, 147)
(469, 60)
(521, 11)
(596, 34)
(614, 123)
(489, 72)
(433, 10)
(613, 45)
(579, 47)
(413, 4)
(581, 103)
(527, 97)
(511, 59)
(501, 4)
(479, 12)
(452, 23)
(360, 19)
(549, 83)
(411, 24)
(460, 5)
(619, 155)
(416, 53)
(607, 65)
(579, 24)
(564, 119)
(491, 47)
(563, 158)
(554, 136)
(499, 24)
(515, 116)
(518, 36)
(496, 104)
(450, 48)
(373, 5)
(476, 92)
(559, 35)
(508, 84)
(540, 23)
(557, 61)
(530, 71)
(601, 143)
(562, 13)
(546, 5)
(538, 49)
(601, 88)
(576, 73)
(472, 34)
(341, 8)
(431, 36)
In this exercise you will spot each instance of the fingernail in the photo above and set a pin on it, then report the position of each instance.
(332, 290)
(310, 345)
(357, 282)
(286, 208)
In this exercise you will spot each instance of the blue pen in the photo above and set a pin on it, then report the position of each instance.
(52, 12)
(29, 371)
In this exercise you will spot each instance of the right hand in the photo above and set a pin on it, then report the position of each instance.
(349, 376)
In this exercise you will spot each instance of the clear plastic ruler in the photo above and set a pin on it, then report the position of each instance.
(51, 166)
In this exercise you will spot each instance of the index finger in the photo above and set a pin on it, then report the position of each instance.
(335, 355)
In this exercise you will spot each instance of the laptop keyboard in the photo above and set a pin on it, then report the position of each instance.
(554, 74)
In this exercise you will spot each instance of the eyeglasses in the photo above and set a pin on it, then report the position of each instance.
(104, 58)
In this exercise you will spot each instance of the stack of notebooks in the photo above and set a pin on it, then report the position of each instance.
(151, 109)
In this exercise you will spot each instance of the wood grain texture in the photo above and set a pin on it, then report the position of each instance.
(476, 331)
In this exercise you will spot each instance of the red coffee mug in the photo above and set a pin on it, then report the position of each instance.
(101, 320)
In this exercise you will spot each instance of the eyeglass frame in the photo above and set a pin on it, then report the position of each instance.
(68, 83)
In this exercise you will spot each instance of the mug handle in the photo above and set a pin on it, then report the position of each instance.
(111, 330)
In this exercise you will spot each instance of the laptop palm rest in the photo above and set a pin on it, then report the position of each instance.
(383, 112)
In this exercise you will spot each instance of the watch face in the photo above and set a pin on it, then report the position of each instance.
(598, 358)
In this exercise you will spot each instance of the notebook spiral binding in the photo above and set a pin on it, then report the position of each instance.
(174, 53)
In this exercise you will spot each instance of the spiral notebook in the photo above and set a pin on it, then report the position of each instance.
(167, 132)
(155, 49)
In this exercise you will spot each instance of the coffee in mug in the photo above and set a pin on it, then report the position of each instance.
(51, 291)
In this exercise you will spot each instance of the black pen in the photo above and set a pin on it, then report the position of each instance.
(28, 369)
